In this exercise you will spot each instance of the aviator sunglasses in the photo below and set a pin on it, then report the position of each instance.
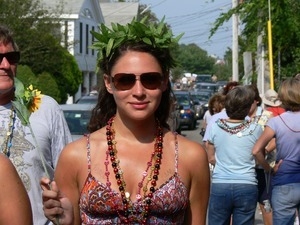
(12, 57)
(125, 81)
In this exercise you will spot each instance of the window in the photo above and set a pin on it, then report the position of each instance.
(80, 37)
(87, 39)
(93, 39)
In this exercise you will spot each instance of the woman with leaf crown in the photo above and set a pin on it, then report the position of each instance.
(131, 169)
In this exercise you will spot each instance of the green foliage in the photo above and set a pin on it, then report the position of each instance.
(193, 59)
(157, 35)
(48, 86)
(177, 73)
(285, 21)
(26, 76)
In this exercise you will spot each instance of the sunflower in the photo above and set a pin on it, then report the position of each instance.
(32, 98)
(27, 100)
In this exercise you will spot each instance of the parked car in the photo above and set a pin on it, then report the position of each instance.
(187, 111)
(202, 98)
(203, 78)
(77, 117)
(88, 99)
(221, 84)
(203, 86)
(174, 120)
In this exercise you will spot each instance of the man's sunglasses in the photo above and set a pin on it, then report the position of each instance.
(11, 57)
(125, 81)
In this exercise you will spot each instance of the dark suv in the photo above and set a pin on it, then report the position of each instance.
(203, 78)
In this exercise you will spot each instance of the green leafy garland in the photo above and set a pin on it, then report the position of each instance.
(158, 36)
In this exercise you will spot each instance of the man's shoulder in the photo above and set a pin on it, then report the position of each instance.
(49, 102)
(48, 105)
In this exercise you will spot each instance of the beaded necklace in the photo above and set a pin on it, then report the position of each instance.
(9, 134)
(238, 130)
(130, 214)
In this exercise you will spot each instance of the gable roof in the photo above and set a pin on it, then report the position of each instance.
(119, 12)
(75, 8)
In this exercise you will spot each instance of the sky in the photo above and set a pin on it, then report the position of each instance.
(195, 18)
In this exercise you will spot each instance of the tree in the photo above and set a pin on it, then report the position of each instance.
(37, 32)
(25, 74)
(193, 59)
(47, 85)
(285, 20)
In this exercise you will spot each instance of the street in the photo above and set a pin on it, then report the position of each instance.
(194, 135)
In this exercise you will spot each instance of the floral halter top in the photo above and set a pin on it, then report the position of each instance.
(168, 205)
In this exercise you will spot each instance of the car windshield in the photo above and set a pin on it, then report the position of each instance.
(88, 100)
(182, 100)
(201, 97)
(77, 121)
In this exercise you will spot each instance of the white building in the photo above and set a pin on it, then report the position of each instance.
(79, 17)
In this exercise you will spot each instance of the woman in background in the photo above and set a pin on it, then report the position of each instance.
(215, 105)
(230, 143)
(286, 172)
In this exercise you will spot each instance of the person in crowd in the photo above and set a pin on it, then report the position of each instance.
(286, 172)
(215, 105)
(230, 141)
(131, 169)
(14, 204)
(272, 103)
(260, 115)
(222, 114)
(29, 151)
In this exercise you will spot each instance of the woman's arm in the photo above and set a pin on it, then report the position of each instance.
(14, 202)
(61, 201)
(197, 164)
(211, 153)
(259, 148)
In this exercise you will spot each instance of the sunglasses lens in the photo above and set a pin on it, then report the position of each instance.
(11, 57)
(152, 80)
(123, 81)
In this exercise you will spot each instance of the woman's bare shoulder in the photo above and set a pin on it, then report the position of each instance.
(191, 147)
(191, 152)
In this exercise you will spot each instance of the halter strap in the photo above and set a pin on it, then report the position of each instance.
(176, 152)
(88, 152)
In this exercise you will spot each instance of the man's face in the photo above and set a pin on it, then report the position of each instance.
(8, 67)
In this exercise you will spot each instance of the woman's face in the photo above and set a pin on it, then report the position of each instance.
(137, 83)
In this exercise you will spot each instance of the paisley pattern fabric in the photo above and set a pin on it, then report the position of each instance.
(101, 205)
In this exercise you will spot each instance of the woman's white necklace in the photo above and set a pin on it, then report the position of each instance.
(9, 134)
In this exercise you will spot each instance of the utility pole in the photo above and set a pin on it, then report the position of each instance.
(235, 45)
(270, 50)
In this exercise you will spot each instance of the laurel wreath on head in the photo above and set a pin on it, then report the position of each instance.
(156, 35)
